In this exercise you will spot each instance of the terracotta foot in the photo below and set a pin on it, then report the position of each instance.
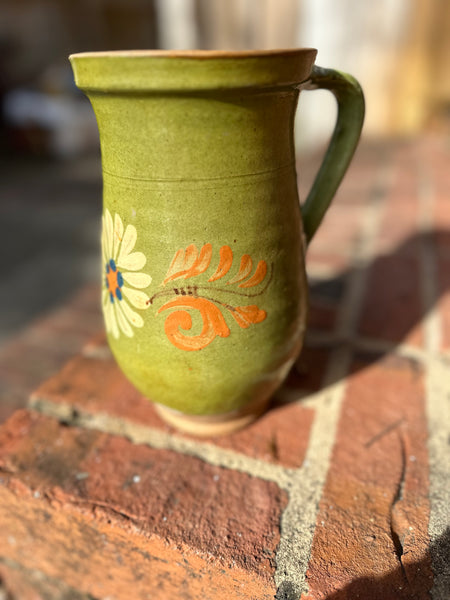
(212, 425)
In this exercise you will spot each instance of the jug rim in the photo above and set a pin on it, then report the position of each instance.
(190, 71)
(192, 53)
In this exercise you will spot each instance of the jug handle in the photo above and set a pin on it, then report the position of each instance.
(350, 118)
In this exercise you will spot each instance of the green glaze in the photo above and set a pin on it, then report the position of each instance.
(205, 299)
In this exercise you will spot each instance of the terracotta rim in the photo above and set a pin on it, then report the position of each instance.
(192, 53)
(148, 71)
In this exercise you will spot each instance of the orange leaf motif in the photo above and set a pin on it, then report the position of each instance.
(248, 315)
(226, 260)
(257, 277)
(202, 262)
(244, 270)
(188, 263)
(213, 323)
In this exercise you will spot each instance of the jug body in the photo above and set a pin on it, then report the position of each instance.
(203, 280)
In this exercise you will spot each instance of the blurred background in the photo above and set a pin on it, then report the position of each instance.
(50, 177)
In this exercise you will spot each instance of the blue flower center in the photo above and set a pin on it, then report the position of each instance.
(113, 281)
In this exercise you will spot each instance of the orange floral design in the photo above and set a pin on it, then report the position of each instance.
(244, 270)
(248, 315)
(258, 276)
(226, 260)
(213, 323)
(190, 262)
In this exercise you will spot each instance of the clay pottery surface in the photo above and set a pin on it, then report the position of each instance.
(204, 289)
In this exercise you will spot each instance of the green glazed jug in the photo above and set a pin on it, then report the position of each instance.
(204, 289)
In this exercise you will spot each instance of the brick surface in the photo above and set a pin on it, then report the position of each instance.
(401, 207)
(349, 216)
(309, 371)
(31, 584)
(331, 261)
(76, 504)
(439, 181)
(371, 538)
(443, 273)
(333, 248)
(280, 436)
(94, 386)
(392, 308)
(324, 298)
(435, 156)
(43, 346)
(341, 460)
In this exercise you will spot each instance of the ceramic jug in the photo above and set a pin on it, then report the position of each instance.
(204, 290)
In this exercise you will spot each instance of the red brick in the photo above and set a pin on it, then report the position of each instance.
(281, 436)
(371, 538)
(97, 346)
(443, 277)
(9, 404)
(400, 220)
(96, 385)
(66, 329)
(26, 364)
(309, 371)
(392, 308)
(41, 348)
(331, 261)
(399, 225)
(321, 316)
(441, 223)
(77, 503)
(441, 238)
(325, 296)
(24, 584)
(333, 246)
(437, 169)
(439, 181)
(341, 227)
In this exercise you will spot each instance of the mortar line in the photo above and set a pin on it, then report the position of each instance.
(161, 440)
(299, 518)
(437, 402)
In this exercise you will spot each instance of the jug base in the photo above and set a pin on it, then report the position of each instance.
(212, 425)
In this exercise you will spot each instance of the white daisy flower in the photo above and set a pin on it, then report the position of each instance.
(124, 280)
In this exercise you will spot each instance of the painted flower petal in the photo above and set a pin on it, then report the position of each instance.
(117, 235)
(128, 243)
(110, 319)
(137, 280)
(117, 249)
(135, 319)
(108, 235)
(137, 298)
(132, 262)
(122, 321)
